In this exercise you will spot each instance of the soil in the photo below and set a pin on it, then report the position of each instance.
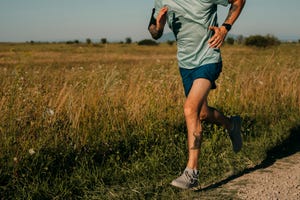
(279, 181)
(276, 178)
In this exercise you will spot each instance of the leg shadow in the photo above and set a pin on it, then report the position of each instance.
(287, 148)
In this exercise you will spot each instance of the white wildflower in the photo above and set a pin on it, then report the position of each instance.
(50, 112)
(31, 151)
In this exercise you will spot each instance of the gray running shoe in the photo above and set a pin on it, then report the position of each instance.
(186, 180)
(235, 134)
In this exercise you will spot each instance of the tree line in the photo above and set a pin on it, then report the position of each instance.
(253, 40)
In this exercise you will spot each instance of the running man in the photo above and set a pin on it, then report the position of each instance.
(199, 38)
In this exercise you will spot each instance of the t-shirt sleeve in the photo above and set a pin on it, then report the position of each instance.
(220, 2)
(157, 7)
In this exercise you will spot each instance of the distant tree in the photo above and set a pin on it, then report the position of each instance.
(230, 40)
(103, 40)
(299, 41)
(128, 40)
(76, 41)
(88, 41)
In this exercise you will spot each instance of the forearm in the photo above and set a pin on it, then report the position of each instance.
(155, 33)
(234, 11)
(220, 33)
(156, 26)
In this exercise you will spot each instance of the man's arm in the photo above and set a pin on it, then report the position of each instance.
(220, 32)
(234, 11)
(156, 26)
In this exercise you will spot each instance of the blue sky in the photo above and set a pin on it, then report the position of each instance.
(51, 20)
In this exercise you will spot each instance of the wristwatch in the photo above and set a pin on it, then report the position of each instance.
(227, 26)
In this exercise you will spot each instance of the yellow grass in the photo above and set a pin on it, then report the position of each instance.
(74, 82)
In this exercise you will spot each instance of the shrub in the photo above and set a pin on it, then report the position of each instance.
(88, 41)
(262, 41)
(103, 40)
(128, 40)
(147, 42)
(170, 42)
(230, 40)
(72, 42)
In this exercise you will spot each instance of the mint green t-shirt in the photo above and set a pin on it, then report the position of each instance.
(189, 20)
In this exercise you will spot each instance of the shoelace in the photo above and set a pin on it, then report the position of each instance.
(190, 177)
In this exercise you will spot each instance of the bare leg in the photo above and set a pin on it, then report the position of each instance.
(192, 107)
(233, 124)
(214, 116)
(196, 109)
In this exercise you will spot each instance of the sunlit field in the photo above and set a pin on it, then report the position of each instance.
(106, 121)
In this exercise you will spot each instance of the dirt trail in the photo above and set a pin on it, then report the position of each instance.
(279, 181)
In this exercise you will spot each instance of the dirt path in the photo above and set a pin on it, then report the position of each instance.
(279, 181)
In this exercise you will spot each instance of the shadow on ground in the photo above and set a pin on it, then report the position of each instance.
(287, 148)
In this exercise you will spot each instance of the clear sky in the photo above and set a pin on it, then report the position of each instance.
(51, 20)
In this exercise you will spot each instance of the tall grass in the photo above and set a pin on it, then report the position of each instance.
(106, 121)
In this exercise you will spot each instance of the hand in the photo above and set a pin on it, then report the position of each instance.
(161, 18)
(218, 38)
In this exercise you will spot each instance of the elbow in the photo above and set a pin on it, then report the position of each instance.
(155, 34)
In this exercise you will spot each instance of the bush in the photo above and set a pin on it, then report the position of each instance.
(230, 40)
(88, 41)
(170, 42)
(72, 42)
(147, 42)
(128, 40)
(103, 40)
(262, 41)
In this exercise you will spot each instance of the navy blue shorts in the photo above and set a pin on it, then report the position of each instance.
(208, 71)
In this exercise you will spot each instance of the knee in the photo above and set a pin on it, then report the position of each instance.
(189, 110)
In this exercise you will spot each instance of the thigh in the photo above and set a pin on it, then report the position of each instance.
(198, 93)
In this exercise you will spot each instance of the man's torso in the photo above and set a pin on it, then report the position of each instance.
(190, 21)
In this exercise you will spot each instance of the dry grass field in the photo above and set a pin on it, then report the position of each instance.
(106, 121)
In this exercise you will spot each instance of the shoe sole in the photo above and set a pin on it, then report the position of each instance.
(195, 188)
